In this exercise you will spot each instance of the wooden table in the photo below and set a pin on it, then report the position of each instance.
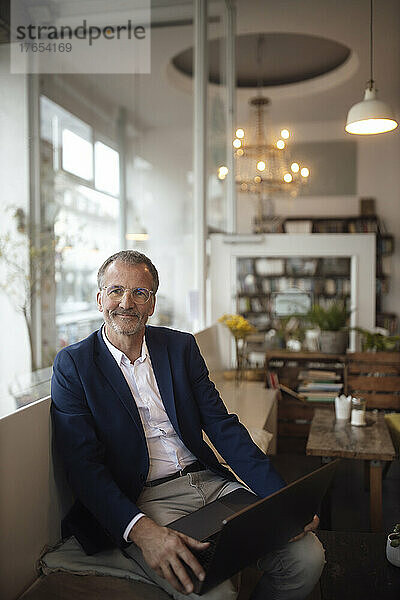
(372, 443)
(255, 405)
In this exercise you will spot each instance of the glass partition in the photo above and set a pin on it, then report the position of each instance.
(160, 219)
(220, 136)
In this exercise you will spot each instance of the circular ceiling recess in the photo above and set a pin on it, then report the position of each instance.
(271, 59)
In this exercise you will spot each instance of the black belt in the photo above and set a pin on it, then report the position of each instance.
(193, 468)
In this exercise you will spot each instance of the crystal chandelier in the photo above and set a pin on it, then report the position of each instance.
(263, 167)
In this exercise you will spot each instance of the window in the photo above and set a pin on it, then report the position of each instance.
(80, 188)
(106, 177)
(77, 155)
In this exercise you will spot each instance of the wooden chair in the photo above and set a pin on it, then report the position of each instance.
(374, 376)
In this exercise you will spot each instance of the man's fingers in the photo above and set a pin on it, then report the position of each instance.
(168, 574)
(178, 557)
(193, 563)
(168, 553)
(181, 574)
(189, 558)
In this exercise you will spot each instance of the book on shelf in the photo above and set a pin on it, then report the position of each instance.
(315, 386)
(330, 226)
(272, 380)
(387, 321)
(319, 394)
(364, 225)
(319, 398)
(318, 375)
(385, 245)
(325, 365)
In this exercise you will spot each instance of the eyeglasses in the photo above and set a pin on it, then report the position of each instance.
(139, 295)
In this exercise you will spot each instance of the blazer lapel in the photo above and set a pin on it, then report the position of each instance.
(117, 381)
(160, 361)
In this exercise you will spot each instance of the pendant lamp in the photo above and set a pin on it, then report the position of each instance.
(370, 116)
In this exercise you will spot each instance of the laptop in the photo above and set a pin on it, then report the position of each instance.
(242, 528)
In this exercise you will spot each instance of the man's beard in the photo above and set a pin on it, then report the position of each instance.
(129, 328)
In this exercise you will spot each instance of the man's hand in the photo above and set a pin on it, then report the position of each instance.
(166, 551)
(312, 526)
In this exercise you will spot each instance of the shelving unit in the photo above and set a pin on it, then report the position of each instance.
(259, 280)
(232, 258)
(324, 279)
(295, 415)
(357, 224)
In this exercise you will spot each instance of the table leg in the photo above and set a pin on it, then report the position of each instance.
(366, 475)
(375, 477)
(326, 504)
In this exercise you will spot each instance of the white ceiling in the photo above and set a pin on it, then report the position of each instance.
(159, 100)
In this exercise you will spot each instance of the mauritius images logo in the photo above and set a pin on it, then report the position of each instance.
(57, 38)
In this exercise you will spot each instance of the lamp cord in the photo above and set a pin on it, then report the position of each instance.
(260, 81)
(259, 59)
(371, 47)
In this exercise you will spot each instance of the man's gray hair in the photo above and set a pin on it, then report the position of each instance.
(130, 257)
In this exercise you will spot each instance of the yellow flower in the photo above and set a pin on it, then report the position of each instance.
(238, 325)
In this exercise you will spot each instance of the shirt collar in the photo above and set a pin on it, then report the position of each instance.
(118, 355)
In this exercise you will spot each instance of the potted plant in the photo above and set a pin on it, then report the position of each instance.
(332, 322)
(393, 546)
(27, 271)
(378, 341)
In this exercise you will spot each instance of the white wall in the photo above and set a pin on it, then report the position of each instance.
(379, 177)
(296, 207)
(14, 177)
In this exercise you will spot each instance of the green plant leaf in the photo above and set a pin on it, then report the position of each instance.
(333, 318)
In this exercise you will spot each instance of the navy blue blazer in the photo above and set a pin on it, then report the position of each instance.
(99, 434)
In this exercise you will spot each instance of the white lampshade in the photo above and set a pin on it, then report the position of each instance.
(370, 116)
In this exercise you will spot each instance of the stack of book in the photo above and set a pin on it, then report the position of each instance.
(319, 386)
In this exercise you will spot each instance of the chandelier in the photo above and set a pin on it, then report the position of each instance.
(265, 167)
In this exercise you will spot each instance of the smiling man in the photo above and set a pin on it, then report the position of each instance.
(129, 405)
(126, 310)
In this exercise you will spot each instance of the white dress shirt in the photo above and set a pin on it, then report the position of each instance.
(167, 453)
